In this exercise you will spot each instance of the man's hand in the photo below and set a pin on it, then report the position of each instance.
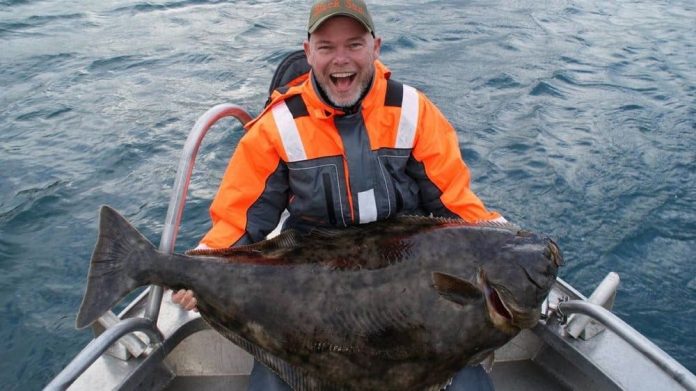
(185, 299)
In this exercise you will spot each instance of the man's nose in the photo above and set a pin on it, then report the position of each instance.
(341, 57)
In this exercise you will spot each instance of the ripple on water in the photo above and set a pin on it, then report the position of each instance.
(122, 63)
(32, 66)
(148, 7)
(42, 198)
(544, 88)
(502, 81)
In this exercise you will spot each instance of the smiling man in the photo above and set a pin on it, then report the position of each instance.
(347, 146)
(342, 55)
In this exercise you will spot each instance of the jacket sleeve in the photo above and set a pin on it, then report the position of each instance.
(440, 171)
(252, 195)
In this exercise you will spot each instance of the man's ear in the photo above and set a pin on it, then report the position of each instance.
(377, 47)
(307, 50)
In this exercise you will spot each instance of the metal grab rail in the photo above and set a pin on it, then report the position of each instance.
(94, 349)
(682, 375)
(181, 184)
(171, 227)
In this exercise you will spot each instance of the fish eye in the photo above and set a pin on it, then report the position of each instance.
(523, 233)
(554, 253)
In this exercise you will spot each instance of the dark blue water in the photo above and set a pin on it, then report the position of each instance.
(577, 118)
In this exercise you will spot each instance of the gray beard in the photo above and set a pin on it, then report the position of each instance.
(353, 102)
(348, 108)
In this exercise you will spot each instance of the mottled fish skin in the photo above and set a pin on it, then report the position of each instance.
(393, 305)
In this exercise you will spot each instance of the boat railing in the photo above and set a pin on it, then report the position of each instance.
(148, 324)
(98, 346)
(181, 184)
(673, 368)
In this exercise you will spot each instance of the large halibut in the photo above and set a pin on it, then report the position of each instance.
(401, 304)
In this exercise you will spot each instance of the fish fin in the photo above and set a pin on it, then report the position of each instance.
(444, 386)
(455, 289)
(287, 240)
(488, 362)
(456, 221)
(331, 233)
(500, 225)
(118, 249)
(295, 377)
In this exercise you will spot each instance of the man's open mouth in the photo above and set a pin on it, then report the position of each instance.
(343, 80)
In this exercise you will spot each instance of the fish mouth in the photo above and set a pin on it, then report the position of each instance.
(499, 312)
(501, 308)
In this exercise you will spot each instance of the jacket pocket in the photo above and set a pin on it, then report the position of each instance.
(403, 189)
(318, 191)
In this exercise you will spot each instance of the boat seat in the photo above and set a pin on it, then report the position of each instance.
(292, 70)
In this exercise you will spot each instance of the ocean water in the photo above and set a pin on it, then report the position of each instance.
(577, 118)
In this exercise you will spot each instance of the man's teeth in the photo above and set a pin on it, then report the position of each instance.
(347, 74)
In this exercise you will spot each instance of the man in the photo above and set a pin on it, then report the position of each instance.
(347, 146)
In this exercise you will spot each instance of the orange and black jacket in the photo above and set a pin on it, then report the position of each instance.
(396, 155)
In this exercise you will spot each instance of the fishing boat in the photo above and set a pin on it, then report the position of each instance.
(152, 344)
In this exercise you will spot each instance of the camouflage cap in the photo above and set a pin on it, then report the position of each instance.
(325, 9)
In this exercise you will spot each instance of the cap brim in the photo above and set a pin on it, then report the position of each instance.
(319, 22)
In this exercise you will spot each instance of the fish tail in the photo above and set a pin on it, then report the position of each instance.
(117, 257)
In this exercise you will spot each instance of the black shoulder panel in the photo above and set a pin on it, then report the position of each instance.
(297, 106)
(395, 93)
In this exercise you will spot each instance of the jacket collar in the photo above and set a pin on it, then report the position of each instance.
(319, 109)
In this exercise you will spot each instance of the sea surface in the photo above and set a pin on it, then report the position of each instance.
(577, 118)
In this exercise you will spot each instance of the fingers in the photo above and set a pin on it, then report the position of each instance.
(185, 299)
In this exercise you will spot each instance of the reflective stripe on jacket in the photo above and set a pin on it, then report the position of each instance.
(398, 154)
